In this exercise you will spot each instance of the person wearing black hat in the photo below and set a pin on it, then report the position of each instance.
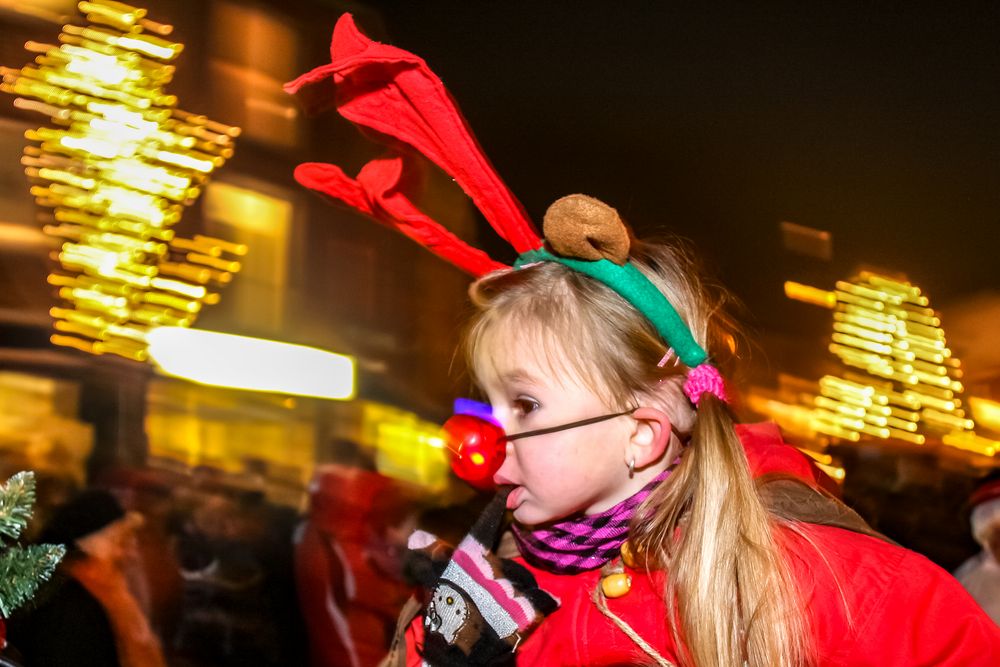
(86, 616)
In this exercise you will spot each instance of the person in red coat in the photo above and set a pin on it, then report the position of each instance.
(348, 600)
(647, 527)
(663, 532)
(869, 602)
(980, 574)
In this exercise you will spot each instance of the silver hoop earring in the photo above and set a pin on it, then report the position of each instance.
(631, 468)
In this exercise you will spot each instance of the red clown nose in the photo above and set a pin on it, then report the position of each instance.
(478, 446)
(477, 449)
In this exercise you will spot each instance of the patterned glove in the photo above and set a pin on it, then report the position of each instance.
(480, 606)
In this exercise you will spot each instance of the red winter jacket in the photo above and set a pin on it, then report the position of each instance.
(870, 602)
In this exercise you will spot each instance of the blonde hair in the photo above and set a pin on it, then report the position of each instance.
(729, 594)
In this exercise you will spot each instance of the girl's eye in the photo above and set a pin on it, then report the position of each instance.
(524, 406)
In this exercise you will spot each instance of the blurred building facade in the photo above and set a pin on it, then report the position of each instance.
(321, 276)
(315, 275)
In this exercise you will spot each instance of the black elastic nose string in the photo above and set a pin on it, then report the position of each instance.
(583, 422)
(563, 427)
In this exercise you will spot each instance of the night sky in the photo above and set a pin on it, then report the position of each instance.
(879, 122)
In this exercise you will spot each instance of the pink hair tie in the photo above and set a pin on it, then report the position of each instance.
(704, 378)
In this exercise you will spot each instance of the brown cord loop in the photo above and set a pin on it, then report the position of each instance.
(602, 605)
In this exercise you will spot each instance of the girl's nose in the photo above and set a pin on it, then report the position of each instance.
(506, 473)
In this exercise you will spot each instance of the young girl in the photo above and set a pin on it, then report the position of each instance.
(647, 527)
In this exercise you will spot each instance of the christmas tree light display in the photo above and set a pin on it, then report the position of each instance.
(901, 379)
(114, 170)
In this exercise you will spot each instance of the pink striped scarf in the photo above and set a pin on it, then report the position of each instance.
(581, 543)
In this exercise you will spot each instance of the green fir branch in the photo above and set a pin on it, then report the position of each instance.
(22, 570)
(17, 497)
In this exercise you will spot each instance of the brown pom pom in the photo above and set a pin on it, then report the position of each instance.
(582, 227)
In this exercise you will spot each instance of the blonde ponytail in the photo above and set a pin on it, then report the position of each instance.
(731, 598)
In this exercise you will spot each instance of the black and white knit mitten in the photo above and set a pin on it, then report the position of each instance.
(480, 606)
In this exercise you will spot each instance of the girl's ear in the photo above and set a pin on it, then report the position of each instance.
(650, 437)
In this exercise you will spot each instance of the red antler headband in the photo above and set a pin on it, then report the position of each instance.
(393, 92)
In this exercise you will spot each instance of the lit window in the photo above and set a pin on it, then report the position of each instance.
(252, 53)
(261, 222)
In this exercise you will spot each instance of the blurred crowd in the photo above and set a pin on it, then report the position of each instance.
(202, 570)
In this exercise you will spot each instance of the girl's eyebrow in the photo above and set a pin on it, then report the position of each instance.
(517, 376)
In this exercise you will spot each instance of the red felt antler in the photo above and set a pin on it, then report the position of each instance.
(394, 92)
(375, 194)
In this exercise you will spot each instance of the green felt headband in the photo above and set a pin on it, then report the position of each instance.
(635, 288)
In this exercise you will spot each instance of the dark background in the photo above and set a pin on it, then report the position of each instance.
(716, 121)
(877, 122)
